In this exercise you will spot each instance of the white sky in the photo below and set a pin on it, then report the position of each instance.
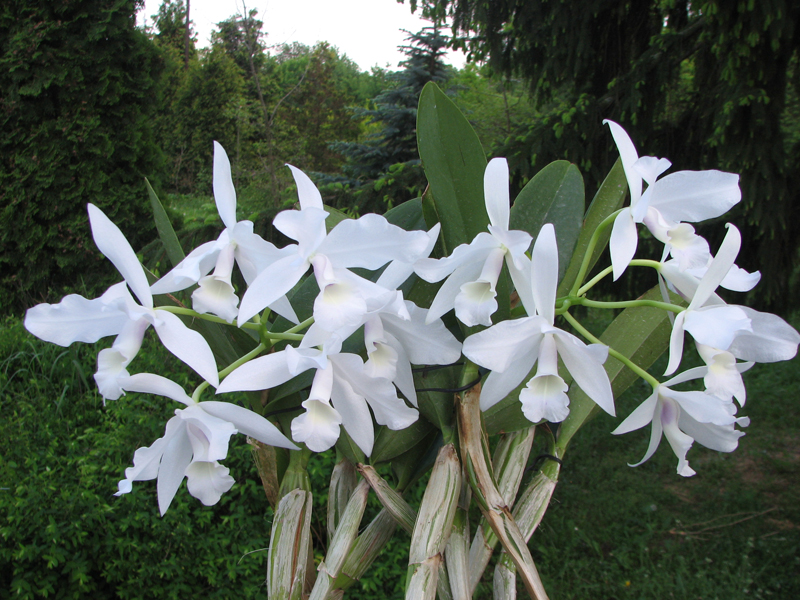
(367, 31)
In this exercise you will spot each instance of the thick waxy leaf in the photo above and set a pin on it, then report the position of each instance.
(555, 195)
(407, 215)
(609, 198)
(335, 216)
(165, 231)
(454, 163)
(435, 402)
(412, 465)
(389, 443)
(639, 333)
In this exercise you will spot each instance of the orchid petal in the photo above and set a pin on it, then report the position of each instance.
(389, 410)
(498, 347)
(76, 319)
(195, 265)
(370, 242)
(399, 271)
(117, 249)
(641, 416)
(716, 437)
(544, 399)
(623, 242)
(499, 384)
(433, 270)
(149, 383)
(679, 441)
(224, 192)
(628, 154)
(544, 272)
(176, 458)
(703, 407)
(207, 481)
(445, 298)
(307, 192)
(716, 326)
(676, 343)
(261, 373)
(270, 285)
(718, 268)
(146, 460)
(187, 345)
(430, 344)
(306, 226)
(495, 192)
(248, 423)
(318, 427)
(586, 370)
(772, 339)
(695, 195)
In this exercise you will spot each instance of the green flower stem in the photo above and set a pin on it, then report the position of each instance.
(587, 257)
(608, 270)
(611, 352)
(307, 323)
(206, 317)
(626, 304)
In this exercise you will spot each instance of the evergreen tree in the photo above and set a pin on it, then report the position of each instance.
(708, 84)
(78, 94)
(385, 168)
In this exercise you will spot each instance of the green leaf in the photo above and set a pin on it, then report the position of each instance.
(335, 216)
(349, 448)
(413, 464)
(639, 333)
(165, 231)
(454, 163)
(407, 215)
(389, 444)
(609, 198)
(437, 406)
(555, 195)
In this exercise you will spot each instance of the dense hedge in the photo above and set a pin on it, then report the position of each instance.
(77, 96)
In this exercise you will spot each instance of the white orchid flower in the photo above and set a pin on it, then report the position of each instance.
(686, 417)
(238, 243)
(711, 324)
(342, 392)
(196, 438)
(511, 349)
(472, 270)
(744, 333)
(368, 243)
(691, 196)
(116, 313)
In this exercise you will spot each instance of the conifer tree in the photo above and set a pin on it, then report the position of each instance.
(385, 168)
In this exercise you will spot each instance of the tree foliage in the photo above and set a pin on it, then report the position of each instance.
(703, 83)
(78, 85)
(387, 160)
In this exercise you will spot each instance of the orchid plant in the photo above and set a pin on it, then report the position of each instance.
(412, 337)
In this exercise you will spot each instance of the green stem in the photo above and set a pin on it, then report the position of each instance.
(587, 257)
(627, 304)
(608, 270)
(611, 352)
(206, 317)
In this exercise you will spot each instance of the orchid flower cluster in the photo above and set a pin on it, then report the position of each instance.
(352, 358)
